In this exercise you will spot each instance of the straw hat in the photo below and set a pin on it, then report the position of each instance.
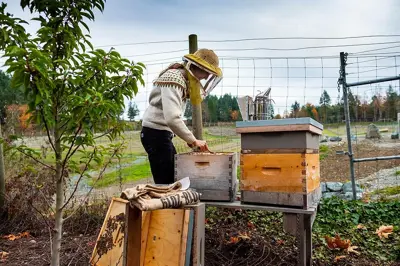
(207, 59)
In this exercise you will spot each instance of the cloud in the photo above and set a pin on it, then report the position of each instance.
(127, 21)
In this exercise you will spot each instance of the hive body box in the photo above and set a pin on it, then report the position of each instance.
(214, 175)
(280, 162)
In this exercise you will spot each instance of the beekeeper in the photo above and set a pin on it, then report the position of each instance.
(163, 119)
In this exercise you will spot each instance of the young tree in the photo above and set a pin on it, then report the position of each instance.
(325, 101)
(133, 111)
(295, 109)
(8, 95)
(70, 92)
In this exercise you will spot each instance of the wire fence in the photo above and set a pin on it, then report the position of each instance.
(300, 86)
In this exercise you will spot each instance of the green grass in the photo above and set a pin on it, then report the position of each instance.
(397, 173)
(388, 191)
(323, 151)
(131, 173)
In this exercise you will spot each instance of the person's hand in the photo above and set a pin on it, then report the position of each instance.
(201, 144)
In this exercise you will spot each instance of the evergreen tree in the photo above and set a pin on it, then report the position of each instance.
(133, 111)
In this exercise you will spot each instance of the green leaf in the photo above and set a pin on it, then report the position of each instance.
(86, 26)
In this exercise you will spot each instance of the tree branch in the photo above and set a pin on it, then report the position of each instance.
(79, 179)
(70, 147)
(97, 179)
(41, 214)
(47, 130)
(36, 160)
(102, 135)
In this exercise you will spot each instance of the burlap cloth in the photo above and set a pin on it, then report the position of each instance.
(148, 197)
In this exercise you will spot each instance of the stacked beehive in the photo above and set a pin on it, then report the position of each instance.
(280, 162)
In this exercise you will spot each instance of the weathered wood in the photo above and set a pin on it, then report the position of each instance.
(290, 223)
(189, 242)
(133, 236)
(214, 175)
(184, 237)
(280, 122)
(277, 150)
(146, 217)
(280, 140)
(283, 128)
(103, 257)
(298, 200)
(164, 237)
(198, 247)
(297, 173)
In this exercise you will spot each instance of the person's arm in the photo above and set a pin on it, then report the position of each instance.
(171, 101)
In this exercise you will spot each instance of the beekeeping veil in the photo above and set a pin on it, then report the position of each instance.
(208, 61)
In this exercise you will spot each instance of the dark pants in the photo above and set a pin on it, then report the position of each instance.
(161, 152)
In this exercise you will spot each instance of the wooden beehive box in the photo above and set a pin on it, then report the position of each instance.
(280, 162)
(214, 175)
(130, 237)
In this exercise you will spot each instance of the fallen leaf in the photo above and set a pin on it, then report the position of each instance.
(233, 240)
(243, 236)
(251, 225)
(3, 256)
(337, 258)
(337, 242)
(361, 226)
(280, 242)
(352, 249)
(14, 237)
(384, 231)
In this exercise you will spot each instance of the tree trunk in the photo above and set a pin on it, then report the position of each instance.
(56, 245)
(2, 176)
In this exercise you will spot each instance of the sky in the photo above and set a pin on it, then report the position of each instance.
(300, 74)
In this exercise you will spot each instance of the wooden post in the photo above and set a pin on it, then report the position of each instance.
(197, 119)
(2, 175)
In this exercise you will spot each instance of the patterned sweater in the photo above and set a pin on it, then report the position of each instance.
(167, 102)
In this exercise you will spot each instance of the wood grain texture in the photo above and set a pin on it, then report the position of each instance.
(184, 237)
(111, 257)
(133, 239)
(146, 217)
(209, 172)
(294, 173)
(281, 151)
(280, 140)
(164, 237)
(280, 122)
(282, 128)
(198, 234)
(282, 199)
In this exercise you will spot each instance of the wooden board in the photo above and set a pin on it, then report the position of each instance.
(280, 122)
(198, 247)
(110, 242)
(282, 128)
(279, 140)
(279, 150)
(164, 246)
(288, 173)
(212, 175)
(295, 200)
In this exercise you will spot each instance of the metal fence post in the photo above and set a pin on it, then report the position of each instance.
(343, 58)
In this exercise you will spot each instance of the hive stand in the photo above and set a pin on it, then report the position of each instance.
(297, 222)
